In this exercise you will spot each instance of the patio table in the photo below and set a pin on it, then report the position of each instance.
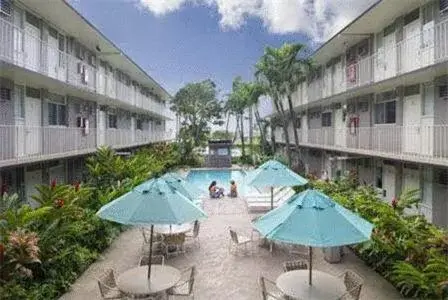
(173, 229)
(325, 286)
(135, 281)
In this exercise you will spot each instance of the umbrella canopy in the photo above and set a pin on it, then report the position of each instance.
(274, 174)
(184, 187)
(155, 202)
(313, 219)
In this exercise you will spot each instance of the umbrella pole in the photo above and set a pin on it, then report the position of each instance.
(311, 264)
(150, 253)
(272, 197)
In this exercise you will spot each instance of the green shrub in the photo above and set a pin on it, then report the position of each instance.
(404, 248)
(68, 234)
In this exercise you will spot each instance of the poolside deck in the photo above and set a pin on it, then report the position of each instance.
(222, 275)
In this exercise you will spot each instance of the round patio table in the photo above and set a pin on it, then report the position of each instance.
(172, 229)
(325, 286)
(135, 281)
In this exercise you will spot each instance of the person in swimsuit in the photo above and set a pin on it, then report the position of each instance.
(233, 189)
(214, 191)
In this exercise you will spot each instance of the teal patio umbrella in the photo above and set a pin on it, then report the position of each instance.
(154, 202)
(184, 187)
(313, 219)
(273, 174)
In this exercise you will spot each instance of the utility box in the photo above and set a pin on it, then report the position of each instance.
(219, 154)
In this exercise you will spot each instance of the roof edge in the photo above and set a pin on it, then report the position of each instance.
(347, 26)
(113, 44)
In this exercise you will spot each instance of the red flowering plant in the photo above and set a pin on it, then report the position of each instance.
(20, 253)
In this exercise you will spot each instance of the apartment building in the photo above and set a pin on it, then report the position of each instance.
(379, 103)
(65, 90)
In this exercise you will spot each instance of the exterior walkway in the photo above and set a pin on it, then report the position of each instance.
(222, 275)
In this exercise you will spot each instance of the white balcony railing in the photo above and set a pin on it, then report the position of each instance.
(425, 48)
(23, 49)
(28, 143)
(415, 143)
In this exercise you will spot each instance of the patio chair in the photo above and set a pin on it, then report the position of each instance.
(156, 260)
(269, 290)
(295, 265)
(353, 284)
(156, 240)
(300, 252)
(108, 286)
(236, 241)
(184, 288)
(194, 236)
(173, 244)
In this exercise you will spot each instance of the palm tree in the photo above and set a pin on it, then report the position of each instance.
(281, 71)
(236, 104)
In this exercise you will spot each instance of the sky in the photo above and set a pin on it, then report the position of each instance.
(182, 41)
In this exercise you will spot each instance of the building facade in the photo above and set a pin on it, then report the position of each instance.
(378, 103)
(66, 90)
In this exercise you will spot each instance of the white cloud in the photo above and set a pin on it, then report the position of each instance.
(319, 19)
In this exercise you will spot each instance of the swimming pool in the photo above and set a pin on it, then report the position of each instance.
(203, 177)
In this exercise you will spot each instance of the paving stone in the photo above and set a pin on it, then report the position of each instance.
(222, 275)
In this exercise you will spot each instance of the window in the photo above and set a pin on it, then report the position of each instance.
(443, 5)
(326, 119)
(443, 91)
(112, 121)
(298, 122)
(379, 177)
(32, 93)
(385, 112)
(139, 124)
(5, 94)
(19, 102)
(5, 7)
(223, 151)
(57, 114)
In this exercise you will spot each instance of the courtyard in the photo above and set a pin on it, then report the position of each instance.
(220, 274)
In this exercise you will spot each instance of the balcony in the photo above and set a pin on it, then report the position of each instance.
(426, 48)
(22, 144)
(20, 48)
(423, 144)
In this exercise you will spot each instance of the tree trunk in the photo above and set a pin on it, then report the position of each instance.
(227, 123)
(293, 120)
(285, 120)
(243, 150)
(237, 128)
(288, 146)
(273, 144)
(251, 132)
(261, 129)
(292, 117)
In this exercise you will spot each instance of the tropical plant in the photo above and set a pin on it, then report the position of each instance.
(21, 251)
(280, 71)
(405, 247)
(198, 107)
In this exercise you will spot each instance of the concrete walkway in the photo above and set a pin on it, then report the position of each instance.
(222, 275)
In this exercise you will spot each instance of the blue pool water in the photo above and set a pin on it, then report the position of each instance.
(202, 179)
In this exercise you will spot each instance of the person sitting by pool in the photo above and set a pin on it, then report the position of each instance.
(214, 191)
(233, 189)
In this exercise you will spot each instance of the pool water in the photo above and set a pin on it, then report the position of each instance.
(202, 179)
